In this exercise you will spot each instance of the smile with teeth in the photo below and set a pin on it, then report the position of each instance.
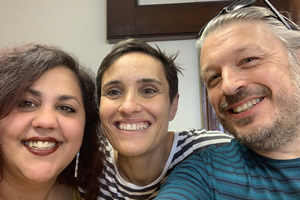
(247, 106)
(133, 127)
(40, 145)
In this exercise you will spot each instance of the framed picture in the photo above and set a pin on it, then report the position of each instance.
(171, 21)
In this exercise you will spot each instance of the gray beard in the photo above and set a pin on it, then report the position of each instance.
(273, 136)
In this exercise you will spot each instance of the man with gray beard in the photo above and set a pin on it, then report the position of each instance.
(250, 63)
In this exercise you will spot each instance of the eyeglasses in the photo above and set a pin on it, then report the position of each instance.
(246, 3)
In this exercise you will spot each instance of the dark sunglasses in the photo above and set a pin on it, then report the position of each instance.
(246, 3)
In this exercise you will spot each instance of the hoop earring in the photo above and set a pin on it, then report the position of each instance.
(76, 166)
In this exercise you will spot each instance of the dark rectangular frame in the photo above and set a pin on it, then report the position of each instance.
(125, 18)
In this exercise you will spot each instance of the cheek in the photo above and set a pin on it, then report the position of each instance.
(215, 99)
(107, 109)
(14, 127)
(277, 82)
(74, 131)
(104, 119)
(103, 113)
(106, 113)
(159, 109)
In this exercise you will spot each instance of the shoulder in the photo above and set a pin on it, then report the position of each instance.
(226, 152)
(109, 172)
(199, 138)
(202, 133)
(76, 194)
(191, 141)
(210, 156)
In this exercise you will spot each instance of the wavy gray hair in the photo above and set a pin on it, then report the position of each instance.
(289, 38)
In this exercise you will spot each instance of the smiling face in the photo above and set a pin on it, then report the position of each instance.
(42, 135)
(250, 85)
(135, 106)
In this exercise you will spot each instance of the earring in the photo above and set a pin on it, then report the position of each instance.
(76, 165)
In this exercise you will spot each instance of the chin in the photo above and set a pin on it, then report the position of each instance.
(132, 152)
(41, 176)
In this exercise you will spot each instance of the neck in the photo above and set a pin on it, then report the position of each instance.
(27, 191)
(289, 151)
(144, 169)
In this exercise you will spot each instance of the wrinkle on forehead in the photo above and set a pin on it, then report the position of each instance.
(236, 37)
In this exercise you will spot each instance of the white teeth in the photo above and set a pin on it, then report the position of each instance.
(244, 106)
(40, 145)
(133, 127)
(247, 106)
(249, 103)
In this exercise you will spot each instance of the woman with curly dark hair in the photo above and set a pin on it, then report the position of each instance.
(50, 138)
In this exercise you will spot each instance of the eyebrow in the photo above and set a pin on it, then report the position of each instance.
(34, 92)
(143, 80)
(149, 80)
(241, 50)
(236, 51)
(61, 97)
(114, 82)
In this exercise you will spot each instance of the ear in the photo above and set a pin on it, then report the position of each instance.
(174, 107)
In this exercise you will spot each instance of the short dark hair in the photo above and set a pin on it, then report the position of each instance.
(135, 45)
(20, 67)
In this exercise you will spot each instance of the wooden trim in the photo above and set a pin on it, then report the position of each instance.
(157, 22)
(209, 119)
(165, 21)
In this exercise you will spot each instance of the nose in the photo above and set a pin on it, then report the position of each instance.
(130, 104)
(45, 118)
(232, 81)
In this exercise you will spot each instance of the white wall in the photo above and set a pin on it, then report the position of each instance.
(79, 27)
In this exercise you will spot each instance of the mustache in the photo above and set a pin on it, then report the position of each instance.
(240, 95)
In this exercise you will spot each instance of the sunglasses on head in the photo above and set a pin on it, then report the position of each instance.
(246, 3)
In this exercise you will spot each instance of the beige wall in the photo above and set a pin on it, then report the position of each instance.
(79, 27)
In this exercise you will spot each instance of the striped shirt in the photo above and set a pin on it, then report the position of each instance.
(185, 143)
(232, 171)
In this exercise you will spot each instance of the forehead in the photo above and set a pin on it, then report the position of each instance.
(60, 79)
(135, 64)
(236, 38)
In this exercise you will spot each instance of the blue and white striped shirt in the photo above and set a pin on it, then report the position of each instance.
(232, 171)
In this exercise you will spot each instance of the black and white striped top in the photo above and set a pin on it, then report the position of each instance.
(185, 143)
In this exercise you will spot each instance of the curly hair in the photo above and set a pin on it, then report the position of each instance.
(20, 67)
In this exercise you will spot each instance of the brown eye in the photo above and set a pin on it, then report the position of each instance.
(247, 60)
(213, 80)
(26, 104)
(113, 92)
(66, 109)
(148, 91)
